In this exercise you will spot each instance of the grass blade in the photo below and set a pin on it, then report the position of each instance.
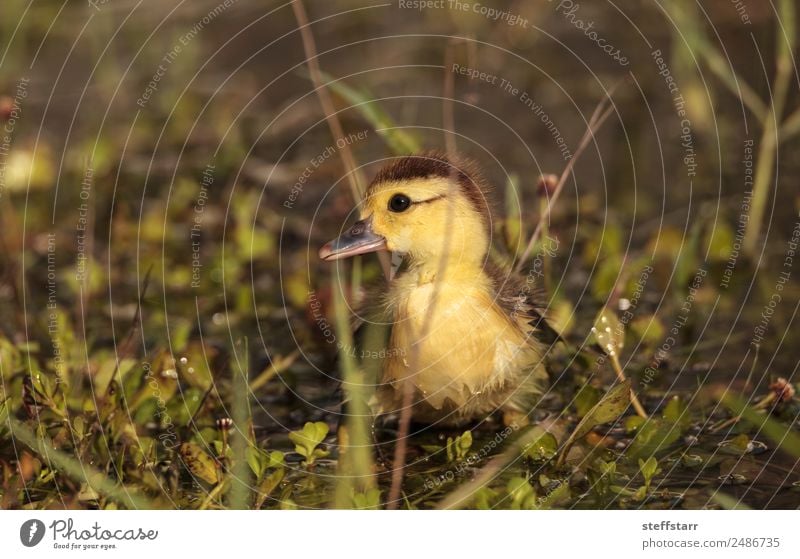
(398, 140)
(785, 438)
(81, 473)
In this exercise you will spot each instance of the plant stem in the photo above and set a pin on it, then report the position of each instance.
(637, 405)
(240, 474)
(356, 464)
(544, 219)
(790, 127)
(718, 63)
(277, 366)
(310, 48)
(213, 494)
(767, 152)
(448, 120)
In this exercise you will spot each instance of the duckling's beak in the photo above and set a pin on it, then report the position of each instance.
(359, 239)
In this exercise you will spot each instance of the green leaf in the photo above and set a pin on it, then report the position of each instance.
(649, 469)
(648, 330)
(603, 244)
(691, 460)
(720, 241)
(543, 448)
(199, 463)
(268, 485)
(521, 492)
(458, 448)
(464, 443)
(612, 406)
(676, 411)
(256, 460)
(609, 408)
(288, 504)
(601, 476)
(276, 459)
(4, 413)
(640, 493)
(556, 496)
(10, 358)
(483, 498)
(87, 493)
(653, 436)
(608, 331)
(308, 439)
(586, 398)
(368, 500)
(634, 423)
(252, 240)
(107, 369)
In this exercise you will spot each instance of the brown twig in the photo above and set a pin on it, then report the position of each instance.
(448, 120)
(637, 405)
(275, 367)
(600, 114)
(354, 175)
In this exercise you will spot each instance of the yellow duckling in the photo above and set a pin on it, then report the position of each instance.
(464, 332)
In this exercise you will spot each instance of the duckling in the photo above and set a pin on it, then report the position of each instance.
(466, 333)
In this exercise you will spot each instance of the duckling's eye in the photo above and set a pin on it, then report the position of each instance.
(399, 203)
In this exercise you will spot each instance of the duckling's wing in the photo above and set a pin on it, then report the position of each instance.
(523, 299)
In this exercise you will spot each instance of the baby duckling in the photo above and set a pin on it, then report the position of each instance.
(467, 334)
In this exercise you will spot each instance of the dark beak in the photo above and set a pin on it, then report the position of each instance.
(359, 239)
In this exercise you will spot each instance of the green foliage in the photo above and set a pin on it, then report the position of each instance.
(608, 332)
(586, 398)
(602, 477)
(656, 434)
(649, 469)
(307, 441)
(458, 447)
(542, 448)
(269, 471)
(787, 439)
(609, 408)
(521, 493)
(368, 500)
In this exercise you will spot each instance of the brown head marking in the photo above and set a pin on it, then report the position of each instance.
(438, 164)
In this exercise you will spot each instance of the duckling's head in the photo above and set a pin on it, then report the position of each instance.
(428, 206)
